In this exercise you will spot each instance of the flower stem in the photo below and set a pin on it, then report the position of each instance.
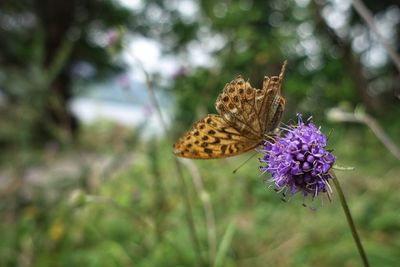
(181, 179)
(350, 220)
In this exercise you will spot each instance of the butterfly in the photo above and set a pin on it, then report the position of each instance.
(246, 116)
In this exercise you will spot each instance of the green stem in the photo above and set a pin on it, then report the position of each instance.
(189, 214)
(181, 179)
(350, 220)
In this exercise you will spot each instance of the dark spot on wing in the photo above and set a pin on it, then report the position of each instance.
(223, 148)
(217, 141)
(208, 151)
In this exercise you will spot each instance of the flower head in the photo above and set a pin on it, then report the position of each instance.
(298, 161)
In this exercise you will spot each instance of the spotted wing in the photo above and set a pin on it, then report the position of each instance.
(211, 138)
(271, 104)
(253, 112)
(236, 104)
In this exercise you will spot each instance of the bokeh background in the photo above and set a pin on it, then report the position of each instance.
(87, 174)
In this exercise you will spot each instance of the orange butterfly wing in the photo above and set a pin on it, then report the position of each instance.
(247, 115)
(211, 138)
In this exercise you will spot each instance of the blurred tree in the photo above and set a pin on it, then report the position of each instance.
(351, 52)
(44, 45)
(326, 62)
(329, 50)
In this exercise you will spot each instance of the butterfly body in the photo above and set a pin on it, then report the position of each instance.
(246, 115)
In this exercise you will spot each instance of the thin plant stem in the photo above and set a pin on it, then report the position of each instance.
(189, 213)
(350, 221)
(224, 245)
(181, 179)
(340, 115)
(367, 16)
(207, 206)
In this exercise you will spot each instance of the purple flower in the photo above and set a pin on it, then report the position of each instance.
(298, 161)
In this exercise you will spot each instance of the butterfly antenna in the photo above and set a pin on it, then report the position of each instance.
(241, 165)
(283, 70)
(281, 75)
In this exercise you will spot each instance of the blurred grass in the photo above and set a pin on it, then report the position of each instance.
(97, 211)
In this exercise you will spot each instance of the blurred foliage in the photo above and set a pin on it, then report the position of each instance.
(53, 43)
(45, 45)
(254, 37)
(134, 215)
(111, 198)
